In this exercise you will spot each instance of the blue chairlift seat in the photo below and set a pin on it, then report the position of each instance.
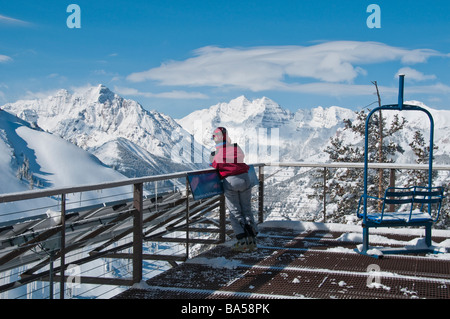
(417, 205)
(413, 206)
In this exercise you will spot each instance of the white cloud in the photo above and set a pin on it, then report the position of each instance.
(165, 95)
(338, 89)
(12, 21)
(29, 95)
(5, 58)
(438, 88)
(267, 68)
(415, 75)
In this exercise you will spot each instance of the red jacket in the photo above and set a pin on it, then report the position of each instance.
(229, 160)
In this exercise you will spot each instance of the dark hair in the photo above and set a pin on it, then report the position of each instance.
(223, 131)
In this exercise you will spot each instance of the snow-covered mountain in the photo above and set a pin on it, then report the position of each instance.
(120, 132)
(303, 135)
(262, 126)
(137, 142)
(32, 158)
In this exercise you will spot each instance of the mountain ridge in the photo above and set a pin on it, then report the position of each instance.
(116, 129)
(94, 117)
(295, 134)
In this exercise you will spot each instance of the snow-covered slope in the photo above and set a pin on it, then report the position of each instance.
(32, 158)
(116, 130)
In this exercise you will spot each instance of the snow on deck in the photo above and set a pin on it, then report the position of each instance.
(308, 260)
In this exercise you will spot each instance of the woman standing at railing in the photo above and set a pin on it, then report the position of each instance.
(228, 159)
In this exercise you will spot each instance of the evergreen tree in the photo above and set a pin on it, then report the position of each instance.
(345, 187)
(24, 172)
(422, 152)
(420, 177)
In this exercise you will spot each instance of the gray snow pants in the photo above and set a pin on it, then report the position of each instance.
(238, 201)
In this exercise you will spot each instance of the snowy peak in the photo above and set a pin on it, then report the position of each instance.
(262, 112)
(240, 111)
(320, 117)
(105, 94)
(99, 93)
(273, 115)
(94, 116)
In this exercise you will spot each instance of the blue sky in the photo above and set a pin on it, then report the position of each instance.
(178, 56)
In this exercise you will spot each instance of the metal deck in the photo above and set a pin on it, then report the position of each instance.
(295, 263)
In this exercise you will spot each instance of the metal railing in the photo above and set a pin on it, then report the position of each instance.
(144, 218)
(120, 229)
(391, 167)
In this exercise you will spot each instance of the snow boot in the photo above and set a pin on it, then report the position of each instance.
(240, 245)
(251, 243)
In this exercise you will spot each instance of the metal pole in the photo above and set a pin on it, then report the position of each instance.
(187, 218)
(137, 232)
(156, 195)
(324, 194)
(366, 162)
(51, 275)
(430, 159)
(63, 246)
(392, 184)
(400, 91)
(261, 195)
(222, 218)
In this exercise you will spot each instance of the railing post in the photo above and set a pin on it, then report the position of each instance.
(324, 194)
(222, 219)
(63, 246)
(137, 232)
(187, 218)
(52, 256)
(156, 195)
(261, 195)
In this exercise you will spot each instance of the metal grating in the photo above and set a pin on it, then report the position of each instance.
(300, 265)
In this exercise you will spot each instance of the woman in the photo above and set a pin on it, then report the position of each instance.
(228, 159)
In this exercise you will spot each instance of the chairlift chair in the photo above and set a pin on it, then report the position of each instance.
(409, 197)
